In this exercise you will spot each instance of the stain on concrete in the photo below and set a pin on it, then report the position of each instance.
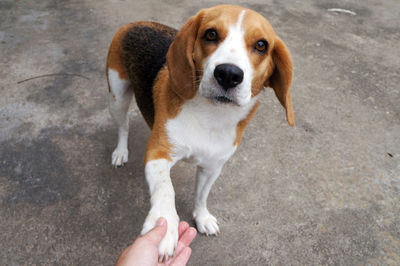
(308, 127)
(55, 95)
(38, 171)
(6, 4)
(346, 237)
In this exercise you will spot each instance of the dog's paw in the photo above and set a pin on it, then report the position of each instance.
(168, 244)
(119, 157)
(206, 223)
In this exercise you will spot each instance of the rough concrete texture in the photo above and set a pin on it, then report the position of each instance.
(325, 192)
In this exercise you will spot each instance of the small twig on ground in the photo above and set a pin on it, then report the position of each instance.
(54, 74)
(341, 10)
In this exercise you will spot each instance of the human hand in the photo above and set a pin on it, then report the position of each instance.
(144, 250)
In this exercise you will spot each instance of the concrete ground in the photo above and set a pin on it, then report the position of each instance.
(323, 193)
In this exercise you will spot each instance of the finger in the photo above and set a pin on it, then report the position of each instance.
(186, 239)
(188, 236)
(182, 257)
(182, 228)
(158, 232)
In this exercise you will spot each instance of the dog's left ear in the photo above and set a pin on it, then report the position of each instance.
(281, 77)
(180, 62)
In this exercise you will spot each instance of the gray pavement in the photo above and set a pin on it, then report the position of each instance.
(323, 193)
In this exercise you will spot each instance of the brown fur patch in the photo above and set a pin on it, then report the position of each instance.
(281, 78)
(182, 71)
(243, 123)
(167, 106)
(273, 68)
(257, 28)
(114, 57)
(217, 18)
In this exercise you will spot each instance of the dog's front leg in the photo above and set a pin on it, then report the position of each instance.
(205, 176)
(162, 197)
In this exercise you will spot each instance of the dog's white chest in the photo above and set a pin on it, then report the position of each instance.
(204, 131)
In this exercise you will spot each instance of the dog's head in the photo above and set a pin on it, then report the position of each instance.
(228, 54)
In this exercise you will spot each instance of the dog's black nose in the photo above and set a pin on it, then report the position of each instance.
(228, 75)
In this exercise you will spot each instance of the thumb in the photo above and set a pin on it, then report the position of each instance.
(156, 234)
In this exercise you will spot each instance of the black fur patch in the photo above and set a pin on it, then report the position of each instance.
(144, 53)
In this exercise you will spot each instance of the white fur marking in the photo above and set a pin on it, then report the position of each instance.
(206, 131)
(232, 51)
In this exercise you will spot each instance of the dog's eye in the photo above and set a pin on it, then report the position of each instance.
(211, 35)
(261, 46)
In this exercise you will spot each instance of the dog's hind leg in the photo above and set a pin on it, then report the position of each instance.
(120, 96)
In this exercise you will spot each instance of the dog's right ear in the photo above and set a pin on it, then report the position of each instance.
(181, 68)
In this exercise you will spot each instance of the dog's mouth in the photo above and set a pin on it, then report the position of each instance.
(223, 99)
(217, 97)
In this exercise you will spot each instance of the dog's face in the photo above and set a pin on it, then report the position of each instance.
(231, 53)
(228, 54)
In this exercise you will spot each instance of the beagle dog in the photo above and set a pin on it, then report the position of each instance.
(197, 89)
